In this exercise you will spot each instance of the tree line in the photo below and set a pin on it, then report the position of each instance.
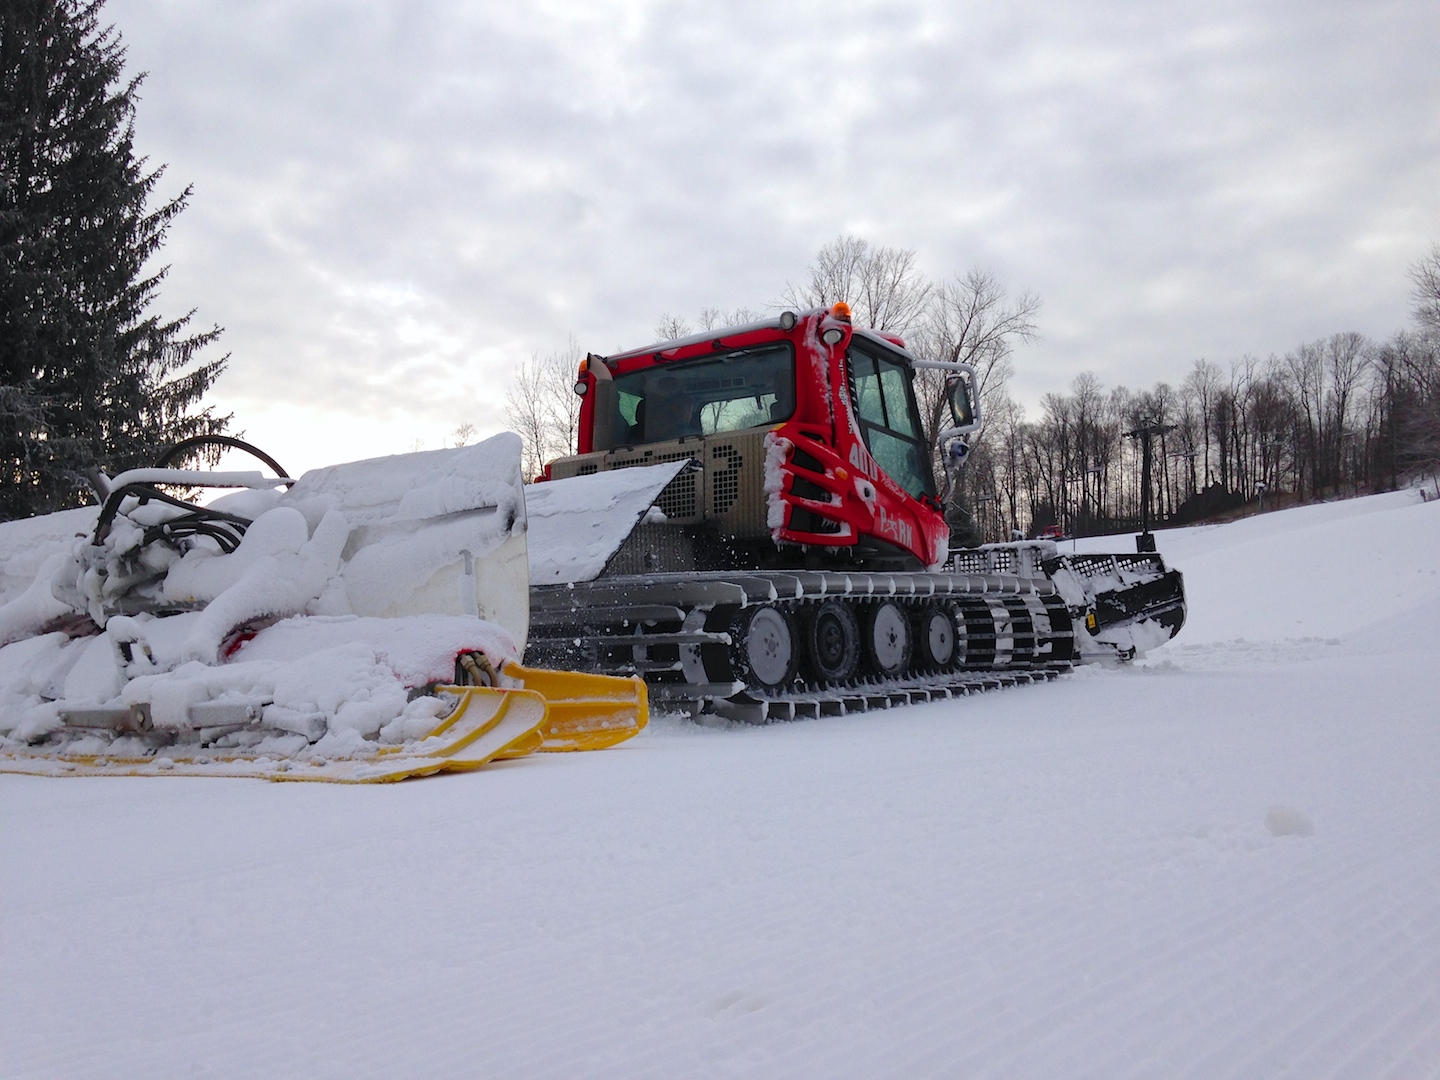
(1339, 416)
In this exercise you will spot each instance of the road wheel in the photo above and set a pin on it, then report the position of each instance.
(936, 641)
(887, 639)
(834, 643)
(764, 647)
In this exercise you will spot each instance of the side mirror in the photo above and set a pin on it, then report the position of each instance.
(959, 394)
(964, 418)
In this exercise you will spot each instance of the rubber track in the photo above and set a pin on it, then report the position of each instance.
(639, 624)
(840, 701)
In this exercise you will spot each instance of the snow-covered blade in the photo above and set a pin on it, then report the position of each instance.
(577, 524)
(303, 631)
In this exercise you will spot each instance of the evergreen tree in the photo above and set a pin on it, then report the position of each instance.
(90, 376)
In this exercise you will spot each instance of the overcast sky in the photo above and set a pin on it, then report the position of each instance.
(395, 203)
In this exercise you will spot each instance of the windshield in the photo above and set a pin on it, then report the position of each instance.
(704, 397)
(889, 420)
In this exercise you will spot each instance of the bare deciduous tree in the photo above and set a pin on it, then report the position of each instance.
(1347, 356)
(1426, 294)
(833, 276)
(716, 318)
(893, 292)
(1406, 410)
(883, 285)
(971, 320)
(1203, 386)
(543, 408)
(671, 327)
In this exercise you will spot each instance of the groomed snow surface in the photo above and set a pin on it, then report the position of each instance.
(1221, 862)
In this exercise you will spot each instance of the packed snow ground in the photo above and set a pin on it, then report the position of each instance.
(1221, 862)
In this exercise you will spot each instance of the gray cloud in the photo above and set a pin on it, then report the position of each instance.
(395, 203)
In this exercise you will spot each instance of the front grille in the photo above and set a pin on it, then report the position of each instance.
(653, 459)
(678, 500)
(729, 487)
(725, 481)
(681, 497)
(1100, 565)
(977, 561)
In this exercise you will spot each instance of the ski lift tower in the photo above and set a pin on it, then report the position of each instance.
(1145, 541)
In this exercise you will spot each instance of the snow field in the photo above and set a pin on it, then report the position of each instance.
(1069, 880)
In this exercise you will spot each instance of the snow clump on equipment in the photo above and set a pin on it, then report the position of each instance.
(343, 595)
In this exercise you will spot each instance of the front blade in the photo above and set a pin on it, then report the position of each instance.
(587, 712)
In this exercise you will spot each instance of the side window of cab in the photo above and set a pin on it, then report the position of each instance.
(889, 417)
